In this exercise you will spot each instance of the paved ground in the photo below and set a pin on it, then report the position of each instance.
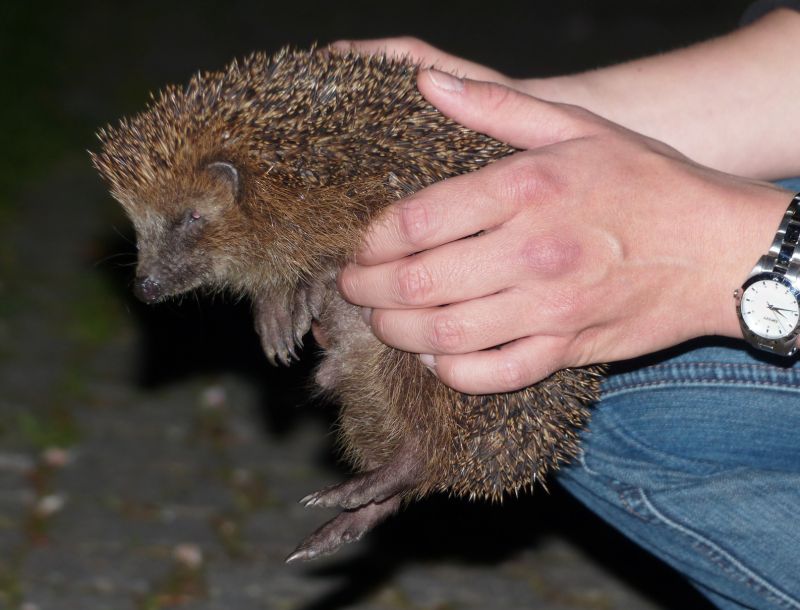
(129, 481)
(150, 458)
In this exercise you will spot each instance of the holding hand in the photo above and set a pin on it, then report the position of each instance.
(594, 244)
(427, 56)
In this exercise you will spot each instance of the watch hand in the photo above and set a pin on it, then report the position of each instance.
(777, 310)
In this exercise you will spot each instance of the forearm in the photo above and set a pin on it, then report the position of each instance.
(732, 103)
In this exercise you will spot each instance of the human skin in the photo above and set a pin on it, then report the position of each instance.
(596, 243)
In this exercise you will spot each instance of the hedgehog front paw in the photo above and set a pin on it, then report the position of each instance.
(348, 526)
(282, 321)
(275, 329)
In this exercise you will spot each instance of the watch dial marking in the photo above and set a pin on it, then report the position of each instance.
(773, 310)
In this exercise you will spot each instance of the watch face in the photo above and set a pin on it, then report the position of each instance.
(770, 308)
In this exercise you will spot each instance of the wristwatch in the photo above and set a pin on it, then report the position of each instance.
(768, 303)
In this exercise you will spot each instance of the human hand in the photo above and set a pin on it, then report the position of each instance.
(729, 102)
(427, 55)
(594, 244)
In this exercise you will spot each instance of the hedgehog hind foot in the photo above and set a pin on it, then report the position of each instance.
(399, 475)
(371, 486)
(348, 526)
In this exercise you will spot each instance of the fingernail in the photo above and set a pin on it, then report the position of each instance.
(428, 360)
(366, 314)
(446, 81)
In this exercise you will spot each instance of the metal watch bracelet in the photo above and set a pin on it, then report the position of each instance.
(783, 259)
(784, 255)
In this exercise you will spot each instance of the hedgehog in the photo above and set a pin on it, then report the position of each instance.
(260, 180)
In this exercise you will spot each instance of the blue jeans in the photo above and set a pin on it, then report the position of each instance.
(696, 457)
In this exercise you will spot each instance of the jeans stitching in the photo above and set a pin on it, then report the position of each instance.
(724, 560)
(718, 371)
(722, 365)
(641, 446)
(704, 381)
(633, 499)
(642, 508)
(622, 489)
(719, 365)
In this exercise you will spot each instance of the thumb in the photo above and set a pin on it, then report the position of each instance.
(505, 114)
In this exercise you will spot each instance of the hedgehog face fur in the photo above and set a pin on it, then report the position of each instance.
(261, 179)
(180, 246)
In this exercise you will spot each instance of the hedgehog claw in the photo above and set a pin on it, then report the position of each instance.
(283, 320)
(348, 526)
(400, 474)
(309, 500)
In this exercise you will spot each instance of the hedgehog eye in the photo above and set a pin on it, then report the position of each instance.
(192, 219)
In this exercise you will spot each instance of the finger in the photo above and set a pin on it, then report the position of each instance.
(505, 114)
(460, 328)
(461, 270)
(424, 54)
(454, 208)
(512, 367)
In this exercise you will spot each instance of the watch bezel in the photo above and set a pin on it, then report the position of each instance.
(780, 279)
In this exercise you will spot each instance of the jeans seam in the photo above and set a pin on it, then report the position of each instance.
(725, 561)
(622, 489)
(719, 365)
(630, 437)
(701, 381)
(704, 372)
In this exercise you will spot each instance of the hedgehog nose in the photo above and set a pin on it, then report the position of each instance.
(147, 289)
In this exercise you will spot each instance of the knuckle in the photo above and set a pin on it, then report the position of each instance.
(410, 45)
(447, 333)
(380, 324)
(511, 373)
(585, 121)
(349, 285)
(414, 283)
(495, 98)
(549, 255)
(577, 121)
(662, 150)
(525, 182)
(564, 308)
(584, 346)
(416, 222)
(452, 372)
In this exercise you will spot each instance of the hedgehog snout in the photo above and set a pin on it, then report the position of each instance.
(147, 289)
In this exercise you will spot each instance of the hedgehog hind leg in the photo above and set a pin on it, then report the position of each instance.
(401, 474)
(348, 526)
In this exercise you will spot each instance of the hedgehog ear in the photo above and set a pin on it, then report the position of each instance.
(226, 174)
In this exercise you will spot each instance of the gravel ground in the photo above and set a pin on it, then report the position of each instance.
(149, 457)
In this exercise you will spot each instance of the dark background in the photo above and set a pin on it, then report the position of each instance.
(86, 368)
(69, 67)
